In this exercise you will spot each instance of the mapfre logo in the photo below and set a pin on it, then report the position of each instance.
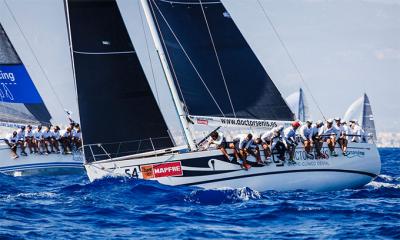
(202, 121)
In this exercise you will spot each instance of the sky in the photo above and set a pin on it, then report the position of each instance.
(343, 48)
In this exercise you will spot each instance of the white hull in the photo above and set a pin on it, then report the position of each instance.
(209, 169)
(35, 164)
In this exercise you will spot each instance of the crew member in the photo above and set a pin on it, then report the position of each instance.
(12, 142)
(21, 140)
(29, 139)
(47, 139)
(356, 131)
(316, 132)
(38, 139)
(66, 140)
(269, 140)
(241, 141)
(289, 137)
(330, 134)
(306, 138)
(77, 136)
(217, 138)
(343, 132)
(56, 138)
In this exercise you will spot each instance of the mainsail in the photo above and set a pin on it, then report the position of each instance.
(215, 70)
(20, 101)
(115, 101)
(361, 111)
(298, 104)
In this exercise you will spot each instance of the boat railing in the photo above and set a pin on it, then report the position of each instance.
(103, 151)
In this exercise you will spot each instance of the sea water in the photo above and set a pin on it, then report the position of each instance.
(69, 207)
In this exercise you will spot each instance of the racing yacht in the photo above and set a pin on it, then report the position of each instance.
(155, 77)
(29, 78)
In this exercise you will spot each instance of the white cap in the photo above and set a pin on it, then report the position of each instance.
(329, 120)
(319, 122)
(309, 121)
(337, 119)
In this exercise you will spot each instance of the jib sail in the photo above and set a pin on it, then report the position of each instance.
(215, 70)
(361, 111)
(20, 101)
(115, 101)
(368, 123)
(298, 103)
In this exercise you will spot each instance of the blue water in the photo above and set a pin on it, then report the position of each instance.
(66, 207)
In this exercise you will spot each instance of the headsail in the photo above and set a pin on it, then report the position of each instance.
(361, 111)
(20, 101)
(215, 70)
(298, 104)
(368, 123)
(115, 100)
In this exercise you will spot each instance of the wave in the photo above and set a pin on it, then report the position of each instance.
(222, 196)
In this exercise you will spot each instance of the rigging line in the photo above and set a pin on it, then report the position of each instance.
(217, 57)
(169, 59)
(190, 60)
(290, 57)
(34, 55)
(103, 53)
(148, 52)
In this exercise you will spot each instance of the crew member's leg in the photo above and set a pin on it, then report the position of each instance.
(255, 152)
(331, 145)
(267, 150)
(22, 146)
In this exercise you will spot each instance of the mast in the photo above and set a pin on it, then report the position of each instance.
(168, 75)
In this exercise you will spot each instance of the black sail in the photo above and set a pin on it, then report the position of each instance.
(368, 123)
(115, 101)
(242, 90)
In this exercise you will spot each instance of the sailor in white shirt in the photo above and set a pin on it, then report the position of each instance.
(21, 134)
(38, 139)
(356, 131)
(29, 138)
(21, 139)
(47, 137)
(12, 142)
(56, 138)
(242, 144)
(77, 136)
(330, 134)
(306, 137)
(343, 138)
(269, 140)
(66, 140)
(289, 138)
(217, 138)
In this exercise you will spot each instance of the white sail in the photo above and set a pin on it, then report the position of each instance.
(298, 104)
(39, 34)
(360, 110)
(138, 30)
(355, 110)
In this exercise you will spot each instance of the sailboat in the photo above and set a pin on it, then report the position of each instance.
(298, 104)
(361, 111)
(22, 104)
(211, 78)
